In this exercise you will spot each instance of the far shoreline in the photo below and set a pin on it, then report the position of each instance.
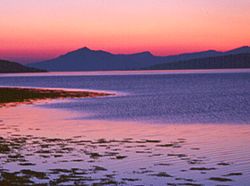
(11, 96)
(125, 72)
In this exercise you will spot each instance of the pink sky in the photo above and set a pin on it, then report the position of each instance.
(34, 30)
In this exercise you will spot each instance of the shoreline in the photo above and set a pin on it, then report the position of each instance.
(126, 72)
(48, 150)
(16, 95)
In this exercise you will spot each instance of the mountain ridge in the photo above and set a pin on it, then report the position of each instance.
(86, 59)
(217, 62)
(13, 67)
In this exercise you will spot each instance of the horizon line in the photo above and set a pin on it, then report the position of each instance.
(119, 53)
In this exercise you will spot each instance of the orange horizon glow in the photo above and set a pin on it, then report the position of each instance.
(37, 30)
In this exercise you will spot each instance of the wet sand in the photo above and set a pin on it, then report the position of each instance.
(60, 149)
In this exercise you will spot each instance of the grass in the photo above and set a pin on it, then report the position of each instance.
(18, 95)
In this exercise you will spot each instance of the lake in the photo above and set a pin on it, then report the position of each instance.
(161, 127)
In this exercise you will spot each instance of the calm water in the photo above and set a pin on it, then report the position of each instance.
(191, 125)
(165, 97)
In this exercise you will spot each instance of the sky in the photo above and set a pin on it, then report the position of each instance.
(32, 30)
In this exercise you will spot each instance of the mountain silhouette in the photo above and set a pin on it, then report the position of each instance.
(85, 59)
(219, 62)
(241, 50)
(12, 67)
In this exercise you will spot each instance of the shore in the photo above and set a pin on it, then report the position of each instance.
(166, 129)
(61, 149)
(41, 146)
(29, 95)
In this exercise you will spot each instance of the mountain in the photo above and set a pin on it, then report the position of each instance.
(241, 50)
(218, 62)
(85, 59)
(12, 67)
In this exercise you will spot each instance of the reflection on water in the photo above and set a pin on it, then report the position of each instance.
(48, 145)
(167, 127)
(215, 96)
(117, 72)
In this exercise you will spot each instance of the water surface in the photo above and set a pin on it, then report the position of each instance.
(213, 96)
(182, 128)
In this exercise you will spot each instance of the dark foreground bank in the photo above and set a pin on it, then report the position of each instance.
(18, 95)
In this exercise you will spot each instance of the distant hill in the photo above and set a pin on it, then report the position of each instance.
(85, 59)
(219, 62)
(241, 50)
(12, 67)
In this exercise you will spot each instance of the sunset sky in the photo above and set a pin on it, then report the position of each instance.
(34, 30)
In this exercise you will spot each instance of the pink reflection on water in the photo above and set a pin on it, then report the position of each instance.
(212, 143)
(61, 123)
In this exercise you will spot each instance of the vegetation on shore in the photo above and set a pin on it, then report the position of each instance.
(15, 95)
